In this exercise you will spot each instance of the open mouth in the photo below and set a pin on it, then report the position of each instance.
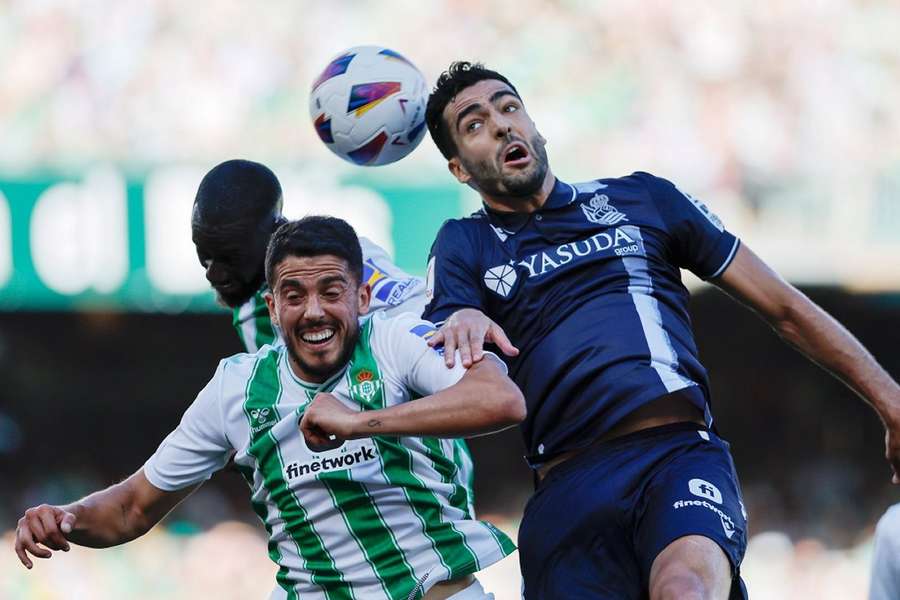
(318, 337)
(515, 154)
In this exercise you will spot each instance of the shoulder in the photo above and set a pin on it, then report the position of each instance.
(398, 326)
(239, 368)
(889, 523)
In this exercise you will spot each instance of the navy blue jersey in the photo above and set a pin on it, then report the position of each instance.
(589, 289)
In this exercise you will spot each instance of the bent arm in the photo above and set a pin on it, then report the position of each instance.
(121, 512)
(807, 327)
(484, 401)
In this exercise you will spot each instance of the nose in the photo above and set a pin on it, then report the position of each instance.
(313, 309)
(502, 125)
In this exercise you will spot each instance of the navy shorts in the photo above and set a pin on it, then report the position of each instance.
(598, 520)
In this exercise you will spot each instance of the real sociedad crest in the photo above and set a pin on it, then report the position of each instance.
(599, 210)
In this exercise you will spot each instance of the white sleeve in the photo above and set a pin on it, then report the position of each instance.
(198, 447)
(417, 365)
(885, 583)
(393, 289)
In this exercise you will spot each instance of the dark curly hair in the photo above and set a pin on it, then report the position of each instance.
(459, 76)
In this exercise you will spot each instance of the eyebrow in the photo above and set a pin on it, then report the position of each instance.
(477, 106)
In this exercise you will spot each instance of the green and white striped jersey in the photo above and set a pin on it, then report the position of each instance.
(393, 291)
(382, 517)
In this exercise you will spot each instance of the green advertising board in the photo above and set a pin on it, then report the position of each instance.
(106, 241)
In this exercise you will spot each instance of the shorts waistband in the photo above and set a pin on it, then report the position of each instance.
(605, 445)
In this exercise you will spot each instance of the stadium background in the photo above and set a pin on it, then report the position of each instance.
(781, 117)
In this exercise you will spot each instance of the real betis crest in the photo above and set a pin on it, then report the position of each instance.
(366, 387)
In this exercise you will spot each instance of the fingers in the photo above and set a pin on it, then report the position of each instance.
(53, 537)
(464, 346)
(496, 335)
(25, 543)
(437, 339)
(449, 337)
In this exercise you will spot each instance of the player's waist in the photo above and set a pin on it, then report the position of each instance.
(676, 407)
(445, 589)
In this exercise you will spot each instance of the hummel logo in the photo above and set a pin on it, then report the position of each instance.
(260, 414)
(501, 280)
(600, 211)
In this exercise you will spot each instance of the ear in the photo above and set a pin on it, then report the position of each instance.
(364, 297)
(456, 168)
(270, 304)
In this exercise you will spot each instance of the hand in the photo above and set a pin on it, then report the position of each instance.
(467, 330)
(45, 525)
(326, 423)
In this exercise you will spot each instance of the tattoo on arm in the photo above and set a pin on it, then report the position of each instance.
(374, 423)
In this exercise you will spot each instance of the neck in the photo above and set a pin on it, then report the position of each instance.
(522, 204)
(311, 378)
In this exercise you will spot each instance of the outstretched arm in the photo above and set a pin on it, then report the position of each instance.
(483, 401)
(807, 327)
(118, 514)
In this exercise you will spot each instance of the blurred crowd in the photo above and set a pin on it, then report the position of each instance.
(787, 109)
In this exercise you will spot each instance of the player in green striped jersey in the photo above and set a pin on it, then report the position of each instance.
(237, 207)
(374, 513)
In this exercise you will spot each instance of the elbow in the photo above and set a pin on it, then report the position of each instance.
(788, 320)
(511, 408)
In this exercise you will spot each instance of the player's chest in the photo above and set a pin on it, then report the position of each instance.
(575, 246)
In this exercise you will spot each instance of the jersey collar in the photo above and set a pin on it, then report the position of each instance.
(561, 195)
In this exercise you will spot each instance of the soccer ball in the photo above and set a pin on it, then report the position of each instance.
(368, 106)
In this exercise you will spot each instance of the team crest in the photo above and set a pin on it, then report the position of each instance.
(366, 385)
(599, 210)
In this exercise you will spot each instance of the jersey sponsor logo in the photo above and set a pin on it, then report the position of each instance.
(599, 210)
(710, 215)
(704, 489)
(338, 460)
(727, 523)
(393, 291)
(423, 330)
(427, 331)
(501, 279)
(619, 241)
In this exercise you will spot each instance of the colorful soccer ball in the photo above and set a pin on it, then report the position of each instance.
(368, 106)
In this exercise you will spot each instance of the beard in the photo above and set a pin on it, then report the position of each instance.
(490, 179)
(324, 371)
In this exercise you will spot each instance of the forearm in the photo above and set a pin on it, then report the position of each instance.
(106, 518)
(476, 405)
(821, 338)
(121, 512)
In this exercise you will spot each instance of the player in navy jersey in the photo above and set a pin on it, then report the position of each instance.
(637, 494)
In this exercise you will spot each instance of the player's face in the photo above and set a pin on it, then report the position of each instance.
(499, 150)
(234, 258)
(316, 302)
